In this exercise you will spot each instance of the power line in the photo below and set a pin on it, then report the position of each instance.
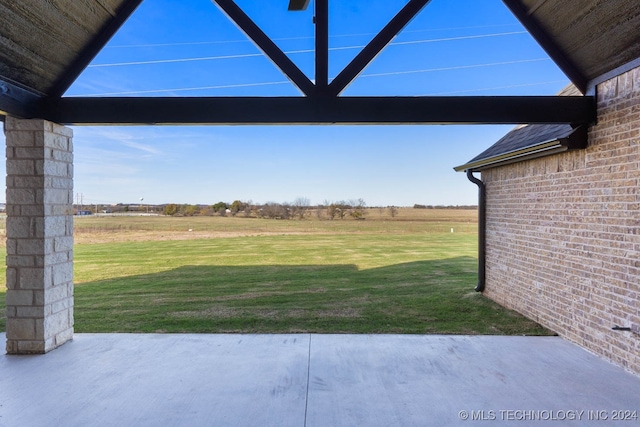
(249, 55)
(497, 88)
(185, 89)
(144, 45)
(457, 67)
(392, 73)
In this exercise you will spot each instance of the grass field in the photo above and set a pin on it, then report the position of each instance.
(408, 274)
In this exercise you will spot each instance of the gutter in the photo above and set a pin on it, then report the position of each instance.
(482, 221)
(577, 139)
(574, 140)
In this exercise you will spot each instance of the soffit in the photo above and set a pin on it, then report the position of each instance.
(42, 40)
(596, 36)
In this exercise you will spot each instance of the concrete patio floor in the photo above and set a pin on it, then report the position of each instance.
(314, 380)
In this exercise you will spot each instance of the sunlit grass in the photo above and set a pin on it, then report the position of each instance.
(361, 278)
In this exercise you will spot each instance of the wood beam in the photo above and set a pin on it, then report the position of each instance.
(321, 20)
(17, 101)
(319, 110)
(267, 46)
(375, 46)
(297, 5)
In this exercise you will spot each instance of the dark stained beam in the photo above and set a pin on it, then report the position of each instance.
(268, 47)
(297, 5)
(375, 46)
(318, 110)
(99, 41)
(321, 20)
(548, 44)
(18, 102)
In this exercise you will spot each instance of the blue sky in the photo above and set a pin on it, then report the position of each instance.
(189, 48)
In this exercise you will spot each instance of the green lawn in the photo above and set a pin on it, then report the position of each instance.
(357, 281)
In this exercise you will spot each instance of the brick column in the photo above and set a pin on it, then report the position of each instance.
(39, 235)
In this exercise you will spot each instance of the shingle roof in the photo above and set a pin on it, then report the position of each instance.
(526, 141)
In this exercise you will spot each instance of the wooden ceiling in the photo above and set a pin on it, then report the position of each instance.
(46, 44)
(586, 38)
(42, 40)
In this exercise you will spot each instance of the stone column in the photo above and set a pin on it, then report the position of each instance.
(39, 235)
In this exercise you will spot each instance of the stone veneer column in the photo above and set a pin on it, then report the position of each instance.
(39, 235)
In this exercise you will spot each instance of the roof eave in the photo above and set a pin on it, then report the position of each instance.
(574, 141)
(99, 41)
(557, 54)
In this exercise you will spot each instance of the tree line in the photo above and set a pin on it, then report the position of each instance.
(300, 208)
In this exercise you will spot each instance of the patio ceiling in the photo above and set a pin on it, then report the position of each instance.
(46, 44)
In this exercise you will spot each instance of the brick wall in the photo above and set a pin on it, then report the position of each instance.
(563, 232)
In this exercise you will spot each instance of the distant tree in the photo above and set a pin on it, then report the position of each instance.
(299, 207)
(205, 211)
(330, 208)
(171, 209)
(236, 207)
(248, 208)
(337, 209)
(220, 206)
(273, 210)
(357, 208)
(393, 211)
(342, 208)
(190, 210)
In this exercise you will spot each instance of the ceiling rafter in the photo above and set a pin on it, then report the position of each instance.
(18, 101)
(297, 5)
(321, 20)
(376, 45)
(267, 46)
(320, 110)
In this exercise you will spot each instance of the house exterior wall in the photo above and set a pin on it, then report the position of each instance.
(563, 232)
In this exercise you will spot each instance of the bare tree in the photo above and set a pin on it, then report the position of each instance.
(357, 208)
(273, 210)
(247, 209)
(332, 209)
(299, 207)
(342, 208)
(393, 211)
